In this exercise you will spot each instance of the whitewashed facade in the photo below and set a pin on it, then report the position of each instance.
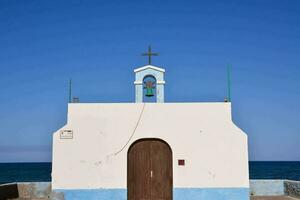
(90, 151)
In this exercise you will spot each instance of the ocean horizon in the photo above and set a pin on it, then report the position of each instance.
(41, 171)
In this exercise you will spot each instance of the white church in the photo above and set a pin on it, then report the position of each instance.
(150, 150)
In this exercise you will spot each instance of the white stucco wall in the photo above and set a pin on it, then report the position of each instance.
(214, 149)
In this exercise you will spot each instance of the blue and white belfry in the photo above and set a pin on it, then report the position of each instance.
(149, 71)
(150, 149)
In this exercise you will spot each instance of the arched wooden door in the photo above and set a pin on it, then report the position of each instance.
(149, 170)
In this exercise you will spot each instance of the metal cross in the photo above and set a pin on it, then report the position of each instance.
(149, 54)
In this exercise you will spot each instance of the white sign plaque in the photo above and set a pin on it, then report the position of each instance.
(66, 134)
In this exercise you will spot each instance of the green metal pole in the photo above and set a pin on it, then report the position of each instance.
(229, 83)
(150, 54)
(70, 90)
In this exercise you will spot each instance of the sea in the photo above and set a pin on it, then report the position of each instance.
(36, 172)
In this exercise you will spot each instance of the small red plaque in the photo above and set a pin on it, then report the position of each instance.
(181, 162)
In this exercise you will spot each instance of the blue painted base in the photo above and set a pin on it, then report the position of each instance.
(178, 194)
(211, 193)
(93, 194)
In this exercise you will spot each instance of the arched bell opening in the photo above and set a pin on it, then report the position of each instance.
(149, 89)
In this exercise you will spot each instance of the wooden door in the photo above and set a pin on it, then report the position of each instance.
(149, 170)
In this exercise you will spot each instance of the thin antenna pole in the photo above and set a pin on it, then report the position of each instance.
(149, 51)
(229, 83)
(70, 90)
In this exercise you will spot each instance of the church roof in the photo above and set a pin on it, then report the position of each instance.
(149, 67)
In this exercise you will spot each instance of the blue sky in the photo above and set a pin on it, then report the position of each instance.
(99, 43)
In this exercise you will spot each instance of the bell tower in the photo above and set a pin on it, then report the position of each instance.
(149, 84)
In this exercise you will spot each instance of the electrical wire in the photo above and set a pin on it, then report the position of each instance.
(133, 132)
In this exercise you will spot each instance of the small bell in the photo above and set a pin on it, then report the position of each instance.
(149, 92)
(149, 89)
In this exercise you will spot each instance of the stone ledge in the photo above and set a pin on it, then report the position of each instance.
(29, 190)
(259, 190)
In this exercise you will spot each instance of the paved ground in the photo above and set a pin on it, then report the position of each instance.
(273, 198)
